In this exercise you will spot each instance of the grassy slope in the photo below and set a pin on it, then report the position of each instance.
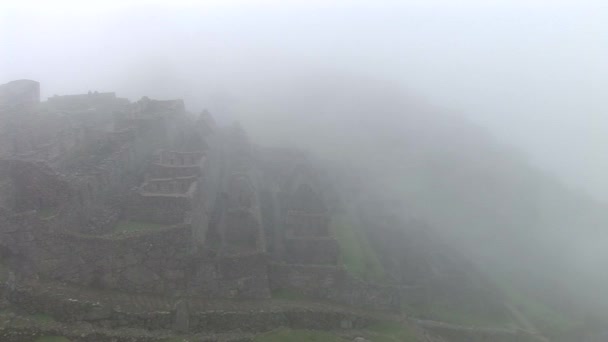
(357, 255)
(544, 318)
(445, 169)
(448, 314)
(361, 261)
(391, 331)
(42, 318)
(52, 339)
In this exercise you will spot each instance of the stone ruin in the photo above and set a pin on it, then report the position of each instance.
(144, 198)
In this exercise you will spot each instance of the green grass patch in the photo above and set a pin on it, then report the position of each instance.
(289, 295)
(290, 335)
(42, 318)
(391, 331)
(124, 227)
(463, 316)
(541, 315)
(47, 213)
(357, 255)
(550, 321)
(51, 339)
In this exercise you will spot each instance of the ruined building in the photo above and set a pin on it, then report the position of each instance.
(98, 193)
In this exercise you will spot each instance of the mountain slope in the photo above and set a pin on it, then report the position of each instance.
(484, 198)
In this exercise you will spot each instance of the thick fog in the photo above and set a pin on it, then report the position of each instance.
(405, 84)
(534, 73)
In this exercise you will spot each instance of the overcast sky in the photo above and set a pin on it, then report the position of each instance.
(535, 73)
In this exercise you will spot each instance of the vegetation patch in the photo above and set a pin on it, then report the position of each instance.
(391, 331)
(51, 339)
(463, 316)
(43, 318)
(285, 294)
(542, 316)
(357, 255)
(47, 213)
(125, 227)
(290, 335)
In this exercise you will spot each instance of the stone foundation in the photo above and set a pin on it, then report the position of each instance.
(333, 284)
(214, 319)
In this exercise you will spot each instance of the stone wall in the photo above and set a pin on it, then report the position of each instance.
(147, 106)
(321, 251)
(161, 209)
(179, 185)
(178, 158)
(34, 186)
(237, 276)
(244, 276)
(252, 319)
(99, 193)
(153, 262)
(333, 284)
(302, 224)
(241, 231)
(168, 171)
(156, 262)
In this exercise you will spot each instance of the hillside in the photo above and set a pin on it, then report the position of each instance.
(520, 224)
(141, 221)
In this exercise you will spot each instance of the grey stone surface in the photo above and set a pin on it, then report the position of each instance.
(181, 322)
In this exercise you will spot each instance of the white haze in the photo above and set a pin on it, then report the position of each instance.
(532, 73)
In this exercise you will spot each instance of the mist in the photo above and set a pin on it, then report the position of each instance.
(531, 73)
(486, 120)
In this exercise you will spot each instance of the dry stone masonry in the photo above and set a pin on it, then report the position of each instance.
(129, 201)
